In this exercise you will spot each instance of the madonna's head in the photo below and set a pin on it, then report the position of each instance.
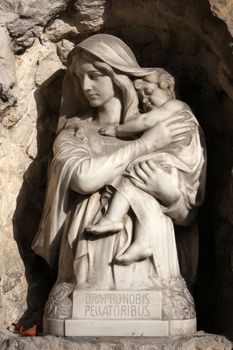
(99, 82)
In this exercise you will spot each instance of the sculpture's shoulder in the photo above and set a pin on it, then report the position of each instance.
(67, 139)
(176, 105)
(180, 108)
(62, 136)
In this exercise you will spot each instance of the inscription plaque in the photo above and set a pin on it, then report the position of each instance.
(117, 305)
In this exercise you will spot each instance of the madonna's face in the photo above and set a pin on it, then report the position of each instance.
(97, 87)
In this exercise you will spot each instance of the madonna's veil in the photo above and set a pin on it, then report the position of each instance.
(108, 49)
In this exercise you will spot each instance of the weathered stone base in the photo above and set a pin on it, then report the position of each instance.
(134, 328)
(99, 313)
(120, 313)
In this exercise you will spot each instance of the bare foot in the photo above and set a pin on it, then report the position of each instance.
(138, 251)
(105, 225)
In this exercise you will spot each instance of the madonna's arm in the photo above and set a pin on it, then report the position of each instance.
(95, 172)
(88, 173)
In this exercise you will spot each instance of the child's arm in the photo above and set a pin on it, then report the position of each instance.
(147, 120)
(129, 128)
(143, 121)
(159, 114)
(139, 124)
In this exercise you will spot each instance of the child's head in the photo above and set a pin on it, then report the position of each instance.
(155, 89)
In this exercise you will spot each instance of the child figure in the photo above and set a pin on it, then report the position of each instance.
(156, 93)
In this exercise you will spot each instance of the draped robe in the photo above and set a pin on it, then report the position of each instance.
(96, 160)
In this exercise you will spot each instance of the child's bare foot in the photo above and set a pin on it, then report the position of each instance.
(138, 251)
(105, 225)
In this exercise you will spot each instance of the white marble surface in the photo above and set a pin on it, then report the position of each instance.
(139, 328)
(117, 305)
(119, 180)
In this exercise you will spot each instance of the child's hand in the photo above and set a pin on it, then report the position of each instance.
(110, 130)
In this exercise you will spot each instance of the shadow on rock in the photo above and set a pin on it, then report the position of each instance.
(30, 200)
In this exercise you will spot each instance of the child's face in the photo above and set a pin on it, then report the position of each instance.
(151, 95)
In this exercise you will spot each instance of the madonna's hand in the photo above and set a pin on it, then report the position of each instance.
(161, 182)
(173, 129)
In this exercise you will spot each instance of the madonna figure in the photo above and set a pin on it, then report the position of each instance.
(159, 172)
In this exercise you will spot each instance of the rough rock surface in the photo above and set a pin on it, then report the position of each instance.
(199, 341)
(223, 9)
(25, 19)
(8, 71)
(193, 40)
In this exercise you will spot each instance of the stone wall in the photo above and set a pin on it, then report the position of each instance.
(192, 39)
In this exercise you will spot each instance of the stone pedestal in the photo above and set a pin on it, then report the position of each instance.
(147, 313)
(118, 328)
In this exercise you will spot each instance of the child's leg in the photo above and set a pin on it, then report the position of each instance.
(140, 249)
(112, 221)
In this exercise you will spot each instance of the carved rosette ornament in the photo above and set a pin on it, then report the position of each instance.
(177, 301)
(59, 303)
